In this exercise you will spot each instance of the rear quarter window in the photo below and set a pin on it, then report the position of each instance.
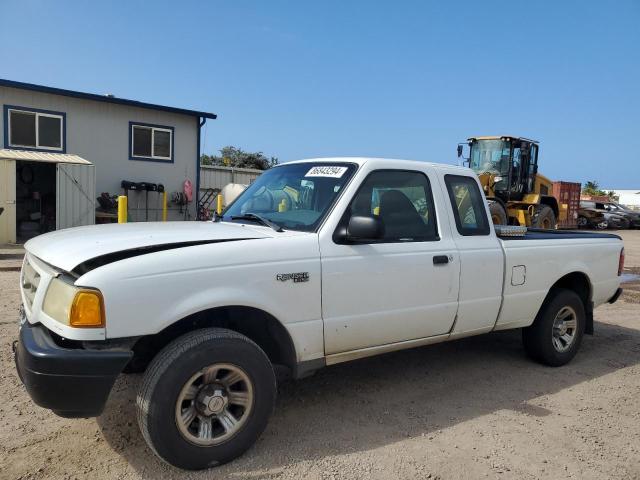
(467, 203)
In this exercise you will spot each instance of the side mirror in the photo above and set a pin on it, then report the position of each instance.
(364, 229)
(459, 151)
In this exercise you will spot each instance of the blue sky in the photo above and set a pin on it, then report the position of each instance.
(396, 79)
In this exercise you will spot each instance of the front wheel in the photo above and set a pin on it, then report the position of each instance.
(544, 217)
(205, 398)
(555, 336)
(498, 214)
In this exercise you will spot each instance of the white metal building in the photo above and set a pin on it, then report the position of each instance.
(630, 198)
(217, 176)
(64, 134)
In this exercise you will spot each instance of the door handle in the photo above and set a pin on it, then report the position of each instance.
(440, 259)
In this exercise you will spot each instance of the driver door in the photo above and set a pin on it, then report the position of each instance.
(401, 287)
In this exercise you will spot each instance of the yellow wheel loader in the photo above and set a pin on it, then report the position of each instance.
(508, 171)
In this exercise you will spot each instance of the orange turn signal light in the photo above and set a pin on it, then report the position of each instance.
(87, 310)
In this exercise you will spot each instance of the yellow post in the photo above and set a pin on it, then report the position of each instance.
(219, 204)
(122, 209)
(164, 206)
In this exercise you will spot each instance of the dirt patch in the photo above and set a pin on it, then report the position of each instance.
(631, 285)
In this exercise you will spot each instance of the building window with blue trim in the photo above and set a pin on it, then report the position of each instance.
(151, 142)
(35, 129)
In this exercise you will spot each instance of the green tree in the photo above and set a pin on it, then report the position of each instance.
(592, 188)
(236, 157)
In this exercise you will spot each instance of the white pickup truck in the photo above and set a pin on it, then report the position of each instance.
(317, 262)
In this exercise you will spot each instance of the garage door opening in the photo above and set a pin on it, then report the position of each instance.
(35, 199)
(41, 192)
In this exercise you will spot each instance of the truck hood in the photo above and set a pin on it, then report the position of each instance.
(66, 249)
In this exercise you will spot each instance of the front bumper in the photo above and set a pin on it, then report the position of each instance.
(72, 382)
(617, 223)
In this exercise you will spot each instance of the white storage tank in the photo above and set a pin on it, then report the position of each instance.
(231, 191)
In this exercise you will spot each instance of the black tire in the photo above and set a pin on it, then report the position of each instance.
(173, 367)
(583, 222)
(538, 338)
(498, 214)
(603, 225)
(543, 217)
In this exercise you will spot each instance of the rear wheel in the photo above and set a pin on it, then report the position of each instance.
(205, 398)
(498, 214)
(555, 336)
(543, 217)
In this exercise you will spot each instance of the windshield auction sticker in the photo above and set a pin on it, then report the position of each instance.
(328, 171)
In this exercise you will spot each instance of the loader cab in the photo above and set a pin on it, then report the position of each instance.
(507, 166)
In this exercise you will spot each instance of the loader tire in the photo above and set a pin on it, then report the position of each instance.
(498, 214)
(544, 217)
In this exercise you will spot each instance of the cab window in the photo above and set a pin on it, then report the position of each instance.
(468, 205)
(402, 200)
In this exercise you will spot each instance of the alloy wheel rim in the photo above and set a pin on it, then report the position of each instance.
(214, 404)
(565, 326)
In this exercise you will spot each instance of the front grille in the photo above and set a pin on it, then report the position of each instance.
(29, 283)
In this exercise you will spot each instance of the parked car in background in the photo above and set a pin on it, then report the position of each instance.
(632, 216)
(617, 222)
(590, 217)
(614, 219)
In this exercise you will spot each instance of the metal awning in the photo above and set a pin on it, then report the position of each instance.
(35, 156)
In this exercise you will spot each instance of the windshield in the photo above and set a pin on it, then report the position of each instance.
(490, 156)
(622, 207)
(294, 197)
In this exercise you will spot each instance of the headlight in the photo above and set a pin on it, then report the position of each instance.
(73, 306)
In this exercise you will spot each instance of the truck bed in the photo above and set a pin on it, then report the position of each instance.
(540, 234)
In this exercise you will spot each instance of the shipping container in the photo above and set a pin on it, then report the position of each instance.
(568, 196)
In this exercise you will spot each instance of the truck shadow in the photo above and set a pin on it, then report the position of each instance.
(374, 402)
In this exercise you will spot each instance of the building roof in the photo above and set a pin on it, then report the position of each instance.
(625, 191)
(102, 98)
(33, 156)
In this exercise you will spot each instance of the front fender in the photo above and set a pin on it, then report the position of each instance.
(145, 294)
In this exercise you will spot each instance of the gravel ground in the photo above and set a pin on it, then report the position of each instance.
(467, 409)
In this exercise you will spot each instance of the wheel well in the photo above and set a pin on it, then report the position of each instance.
(552, 202)
(261, 327)
(579, 283)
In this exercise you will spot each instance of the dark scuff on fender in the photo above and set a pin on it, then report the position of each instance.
(102, 260)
